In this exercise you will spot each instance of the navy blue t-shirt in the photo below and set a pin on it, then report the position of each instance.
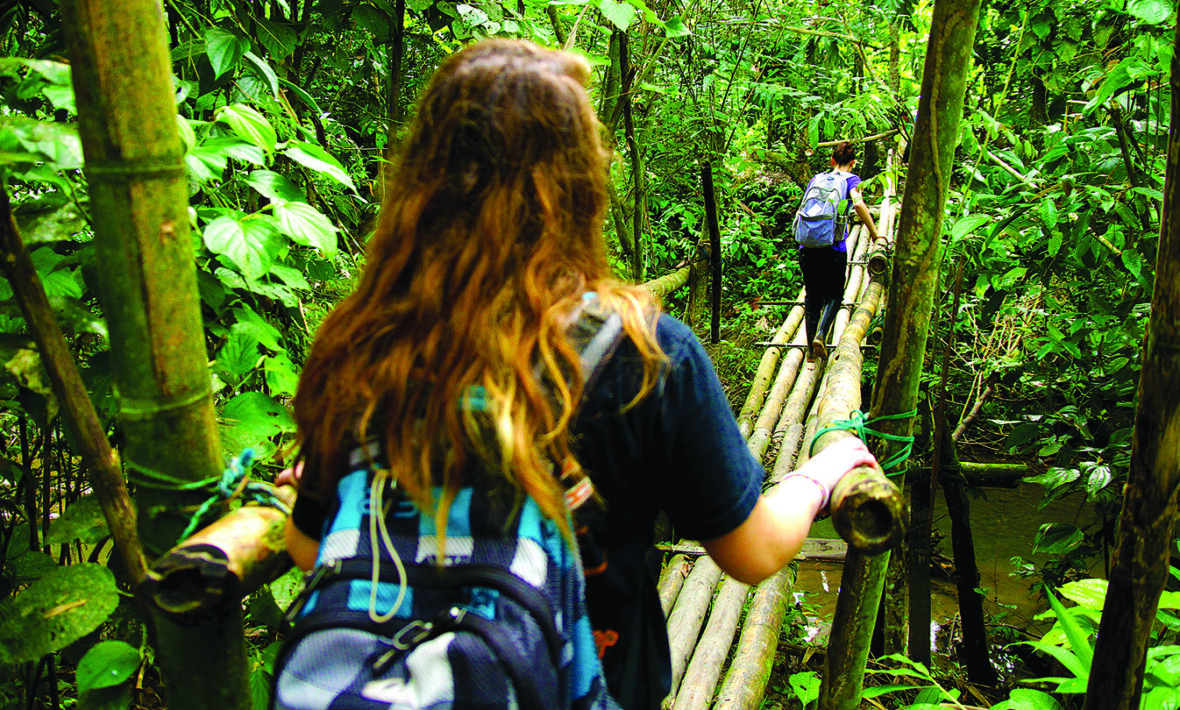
(679, 450)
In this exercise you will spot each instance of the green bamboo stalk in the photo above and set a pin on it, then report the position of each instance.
(1140, 565)
(127, 123)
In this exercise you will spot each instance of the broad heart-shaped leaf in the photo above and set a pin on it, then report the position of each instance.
(1057, 538)
(1153, 12)
(107, 663)
(83, 520)
(310, 155)
(307, 226)
(265, 70)
(282, 377)
(237, 356)
(55, 611)
(675, 27)
(1088, 593)
(279, 40)
(274, 186)
(250, 243)
(257, 326)
(258, 414)
(249, 125)
(620, 14)
(224, 49)
(1028, 699)
(57, 143)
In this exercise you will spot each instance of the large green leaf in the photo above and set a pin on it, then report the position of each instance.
(55, 142)
(1057, 538)
(1028, 699)
(83, 520)
(265, 70)
(258, 414)
(55, 611)
(620, 14)
(274, 186)
(1153, 12)
(254, 324)
(1078, 642)
(282, 377)
(310, 155)
(107, 663)
(237, 356)
(249, 125)
(279, 40)
(307, 226)
(1088, 593)
(251, 243)
(224, 49)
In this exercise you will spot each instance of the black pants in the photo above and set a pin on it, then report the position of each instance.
(823, 277)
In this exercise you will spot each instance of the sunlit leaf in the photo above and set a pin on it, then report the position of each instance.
(249, 125)
(224, 49)
(108, 663)
(274, 186)
(307, 226)
(55, 611)
(250, 243)
(265, 70)
(316, 158)
(620, 14)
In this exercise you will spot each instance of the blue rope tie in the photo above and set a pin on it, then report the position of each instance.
(859, 424)
(232, 485)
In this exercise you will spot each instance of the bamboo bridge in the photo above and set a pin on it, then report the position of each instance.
(789, 401)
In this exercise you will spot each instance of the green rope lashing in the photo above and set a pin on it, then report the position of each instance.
(231, 485)
(858, 423)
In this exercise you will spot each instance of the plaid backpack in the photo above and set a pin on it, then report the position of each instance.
(501, 623)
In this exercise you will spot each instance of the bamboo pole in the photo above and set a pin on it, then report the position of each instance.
(221, 563)
(668, 283)
(915, 281)
(1139, 568)
(139, 199)
(672, 581)
(749, 672)
(687, 616)
(700, 678)
(766, 369)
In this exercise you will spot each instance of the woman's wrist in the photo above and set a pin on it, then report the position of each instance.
(798, 485)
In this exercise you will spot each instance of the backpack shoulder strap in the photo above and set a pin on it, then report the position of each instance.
(596, 332)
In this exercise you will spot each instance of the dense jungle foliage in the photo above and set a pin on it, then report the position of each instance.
(286, 108)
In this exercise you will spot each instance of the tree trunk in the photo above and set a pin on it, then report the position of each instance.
(138, 193)
(916, 265)
(91, 438)
(1140, 565)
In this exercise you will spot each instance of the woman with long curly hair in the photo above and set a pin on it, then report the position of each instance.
(488, 247)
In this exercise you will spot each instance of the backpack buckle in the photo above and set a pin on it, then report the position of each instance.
(411, 634)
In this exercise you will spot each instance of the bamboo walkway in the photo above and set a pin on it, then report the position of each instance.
(716, 624)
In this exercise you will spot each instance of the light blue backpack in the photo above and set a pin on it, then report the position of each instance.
(823, 212)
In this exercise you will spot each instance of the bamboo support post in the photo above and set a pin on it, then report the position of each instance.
(220, 563)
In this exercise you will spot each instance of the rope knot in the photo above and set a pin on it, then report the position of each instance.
(859, 424)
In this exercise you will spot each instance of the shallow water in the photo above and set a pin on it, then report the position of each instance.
(1004, 524)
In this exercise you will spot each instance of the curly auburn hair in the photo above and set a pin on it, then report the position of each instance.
(490, 233)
